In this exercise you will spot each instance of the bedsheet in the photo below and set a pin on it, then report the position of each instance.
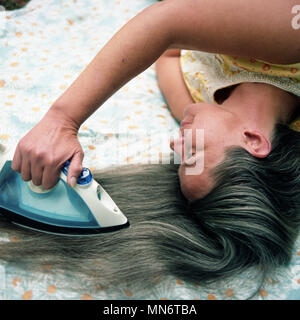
(43, 48)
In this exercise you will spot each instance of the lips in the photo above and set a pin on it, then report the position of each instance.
(178, 146)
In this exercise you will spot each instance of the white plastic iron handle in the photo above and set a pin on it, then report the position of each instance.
(105, 211)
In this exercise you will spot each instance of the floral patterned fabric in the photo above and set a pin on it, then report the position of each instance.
(43, 48)
(205, 73)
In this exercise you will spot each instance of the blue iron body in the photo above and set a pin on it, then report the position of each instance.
(84, 210)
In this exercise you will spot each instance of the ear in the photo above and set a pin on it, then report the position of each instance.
(257, 143)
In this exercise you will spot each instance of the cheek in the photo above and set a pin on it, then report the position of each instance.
(185, 186)
(207, 125)
(213, 133)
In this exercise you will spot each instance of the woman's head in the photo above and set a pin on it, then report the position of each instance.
(244, 115)
(254, 208)
(222, 129)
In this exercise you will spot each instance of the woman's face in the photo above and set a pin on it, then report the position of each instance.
(220, 129)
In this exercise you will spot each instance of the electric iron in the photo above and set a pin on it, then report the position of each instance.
(86, 209)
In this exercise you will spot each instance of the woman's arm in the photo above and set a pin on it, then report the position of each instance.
(134, 48)
(262, 30)
(235, 27)
(171, 83)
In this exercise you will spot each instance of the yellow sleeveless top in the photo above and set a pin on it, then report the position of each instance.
(205, 73)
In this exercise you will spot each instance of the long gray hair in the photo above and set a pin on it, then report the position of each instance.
(250, 218)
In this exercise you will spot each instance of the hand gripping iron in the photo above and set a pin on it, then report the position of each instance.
(86, 209)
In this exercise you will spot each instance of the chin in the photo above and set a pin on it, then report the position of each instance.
(195, 189)
(186, 189)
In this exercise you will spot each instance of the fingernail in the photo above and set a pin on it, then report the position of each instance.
(73, 181)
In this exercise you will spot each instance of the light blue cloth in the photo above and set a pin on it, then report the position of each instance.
(43, 48)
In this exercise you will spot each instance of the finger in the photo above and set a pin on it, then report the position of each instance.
(17, 161)
(75, 168)
(26, 170)
(36, 174)
(50, 177)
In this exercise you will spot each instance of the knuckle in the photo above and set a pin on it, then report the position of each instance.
(48, 161)
(76, 169)
(24, 145)
(27, 149)
(38, 156)
(20, 144)
(25, 176)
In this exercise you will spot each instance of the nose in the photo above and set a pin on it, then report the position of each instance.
(188, 109)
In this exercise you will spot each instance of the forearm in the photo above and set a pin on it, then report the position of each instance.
(237, 27)
(130, 51)
(171, 83)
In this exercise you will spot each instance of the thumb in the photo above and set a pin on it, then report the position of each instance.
(75, 168)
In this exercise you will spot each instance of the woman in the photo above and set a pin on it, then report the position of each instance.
(170, 24)
(236, 112)
(243, 210)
